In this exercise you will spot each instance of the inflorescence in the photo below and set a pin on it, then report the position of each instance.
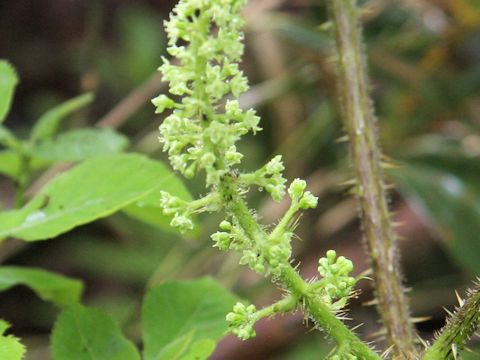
(200, 134)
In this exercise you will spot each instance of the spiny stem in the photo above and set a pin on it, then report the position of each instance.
(366, 156)
(460, 327)
(298, 287)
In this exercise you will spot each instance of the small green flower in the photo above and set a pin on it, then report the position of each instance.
(296, 189)
(308, 201)
(303, 199)
(162, 102)
(222, 240)
(336, 284)
(241, 320)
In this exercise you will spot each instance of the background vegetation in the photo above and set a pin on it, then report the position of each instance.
(424, 63)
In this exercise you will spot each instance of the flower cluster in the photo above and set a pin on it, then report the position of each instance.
(202, 130)
(177, 207)
(301, 199)
(200, 134)
(269, 177)
(336, 284)
(241, 320)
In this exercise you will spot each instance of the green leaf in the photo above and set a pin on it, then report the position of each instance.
(48, 286)
(10, 347)
(82, 333)
(49, 122)
(134, 261)
(449, 200)
(94, 189)
(183, 320)
(8, 82)
(9, 163)
(80, 144)
(9, 140)
(201, 349)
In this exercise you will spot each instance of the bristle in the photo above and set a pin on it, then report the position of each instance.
(387, 352)
(378, 334)
(449, 313)
(357, 326)
(459, 299)
(326, 26)
(454, 351)
(371, 302)
(424, 343)
(348, 183)
(343, 138)
(420, 319)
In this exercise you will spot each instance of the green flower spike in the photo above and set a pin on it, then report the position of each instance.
(200, 135)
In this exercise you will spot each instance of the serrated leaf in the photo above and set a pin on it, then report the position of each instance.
(80, 144)
(82, 333)
(94, 189)
(47, 285)
(8, 82)
(48, 124)
(181, 319)
(10, 347)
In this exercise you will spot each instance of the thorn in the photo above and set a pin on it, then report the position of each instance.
(378, 334)
(423, 342)
(389, 186)
(370, 302)
(387, 352)
(325, 26)
(398, 224)
(343, 138)
(350, 182)
(420, 319)
(388, 165)
(364, 274)
(356, 191)
(449, 313)
(357, 327)
(454, 351)
(459, 299)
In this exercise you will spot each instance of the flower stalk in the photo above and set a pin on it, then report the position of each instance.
(369, 185)
(200, 135)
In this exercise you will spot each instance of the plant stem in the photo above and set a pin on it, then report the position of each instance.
(460, 327)
(296, 285)
(366, 156)
(22, 180)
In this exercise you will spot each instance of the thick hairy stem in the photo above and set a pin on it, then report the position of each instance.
(293, 283)
(460, 327)
(366, 156)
